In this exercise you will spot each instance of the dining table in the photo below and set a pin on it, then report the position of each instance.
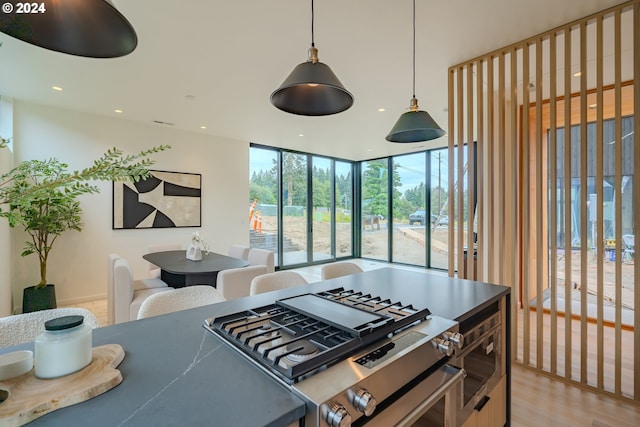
(178, 271)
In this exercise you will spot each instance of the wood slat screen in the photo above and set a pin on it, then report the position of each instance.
(542, 135)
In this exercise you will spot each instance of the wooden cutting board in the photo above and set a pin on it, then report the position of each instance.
(27, 397)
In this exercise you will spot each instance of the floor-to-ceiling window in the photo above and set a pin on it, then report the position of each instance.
(375, 209)
(411, 212)
(294, 208)
(343, 196)
(322, 213)
(300, 206)
(263, 199)
(439, 223)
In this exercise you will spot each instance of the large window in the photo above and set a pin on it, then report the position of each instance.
(411, 215)
(375, 209)
(343, 196)
(263, 199)
(300, 206)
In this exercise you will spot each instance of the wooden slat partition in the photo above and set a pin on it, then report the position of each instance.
(553, 200)
(636, 193)
(618, 208)
(600, 206)
(544, 138)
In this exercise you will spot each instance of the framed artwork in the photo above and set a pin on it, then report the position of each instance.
(164, 200)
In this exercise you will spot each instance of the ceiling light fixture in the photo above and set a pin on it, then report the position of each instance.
(89, 28)
(312, 89)
(58, 88)
(415, 125)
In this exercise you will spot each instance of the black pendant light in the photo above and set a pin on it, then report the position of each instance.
(415, 125)
(90, 28)
(312, 89)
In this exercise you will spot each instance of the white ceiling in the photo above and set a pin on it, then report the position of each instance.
(229, 56)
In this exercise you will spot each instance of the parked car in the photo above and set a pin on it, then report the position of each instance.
(417, 216)
(444, 220)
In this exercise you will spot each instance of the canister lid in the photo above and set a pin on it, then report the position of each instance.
(62, 323)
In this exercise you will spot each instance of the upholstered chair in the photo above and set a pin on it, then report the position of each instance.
(338, 269)
(179, 299)
(262, 257)
(276, 281)
(239, 251)
(236, 282)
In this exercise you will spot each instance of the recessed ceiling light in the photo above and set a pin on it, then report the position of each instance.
(117, 111)
(593, 106)
(203, 127)
(577, 74)
(300, 134)
(380, 110)
(58, 88)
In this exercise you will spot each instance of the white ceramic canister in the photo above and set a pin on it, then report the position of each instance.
(64, 347)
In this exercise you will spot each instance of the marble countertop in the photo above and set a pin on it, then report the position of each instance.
(175, 372)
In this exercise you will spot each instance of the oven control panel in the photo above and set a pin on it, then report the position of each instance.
(389, 350)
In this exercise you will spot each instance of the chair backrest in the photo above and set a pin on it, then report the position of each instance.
(22, 328)
(111, 304)
(262, 257)
(629, 240)
(239, 251)
(179, 299)
(154, 270)
(338, 269)
(122, 290)
(275, 281)
(236, 282)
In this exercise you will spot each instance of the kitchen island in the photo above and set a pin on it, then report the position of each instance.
(177, 373)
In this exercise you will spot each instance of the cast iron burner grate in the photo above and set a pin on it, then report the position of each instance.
(337, 322)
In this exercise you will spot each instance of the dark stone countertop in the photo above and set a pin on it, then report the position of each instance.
(177, 373)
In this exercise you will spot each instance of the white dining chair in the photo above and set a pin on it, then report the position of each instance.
(276, 281)
(154, 270)
(236, 282)
(239, 251)
(179, 299)
(262, 257)
(338, 269)
(22, 328)
(125, 294)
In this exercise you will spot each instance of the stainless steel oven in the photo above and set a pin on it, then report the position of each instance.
(481, 358)
(355, 359)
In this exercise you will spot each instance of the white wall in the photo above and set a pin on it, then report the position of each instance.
(77, 264)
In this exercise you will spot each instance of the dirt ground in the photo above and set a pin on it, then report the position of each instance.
(410, 249)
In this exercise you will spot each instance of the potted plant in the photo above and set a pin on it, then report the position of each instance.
(41, 196)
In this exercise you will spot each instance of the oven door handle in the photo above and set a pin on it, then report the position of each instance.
(440, 392)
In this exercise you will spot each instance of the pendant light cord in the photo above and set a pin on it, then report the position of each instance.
(414, 47)
(312, 35)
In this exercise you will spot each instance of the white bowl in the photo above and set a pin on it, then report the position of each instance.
(15, 364)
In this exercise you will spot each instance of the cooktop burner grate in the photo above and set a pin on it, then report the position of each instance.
(297, 336)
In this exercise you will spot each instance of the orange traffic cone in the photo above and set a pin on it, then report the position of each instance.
(252, 209)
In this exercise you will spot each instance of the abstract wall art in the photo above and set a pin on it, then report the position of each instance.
(164, 200)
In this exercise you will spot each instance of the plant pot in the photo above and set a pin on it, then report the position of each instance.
(35, 299)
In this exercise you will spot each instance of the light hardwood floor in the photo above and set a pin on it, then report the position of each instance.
(537, 400)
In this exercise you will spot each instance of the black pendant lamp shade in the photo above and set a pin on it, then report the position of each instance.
(415, 125)
(312, 89)
(90, 28)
